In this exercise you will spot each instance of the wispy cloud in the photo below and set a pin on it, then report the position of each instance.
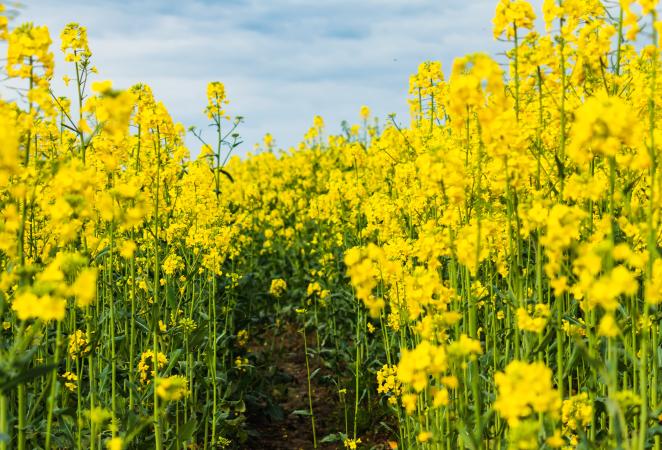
(282, 61)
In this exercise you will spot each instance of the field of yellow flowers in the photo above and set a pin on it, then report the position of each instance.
(485, 278)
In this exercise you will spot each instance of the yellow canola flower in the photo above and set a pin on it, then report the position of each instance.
(511, 15)
(84, 288)
(417, 365)
(424, 436)
(653, 291)
(78, 344)
(387, 380)
(524, 389)
(576, 412)
(172, 388)
(102, 87)
(535, 323)
(351, 444)
(115, 443)
(608, 326)
(216, 100)
(364, 112)
(29, 55)
(70, 381)
(146, 365)
(278, 287)
(74, 43)
(29, 306)
(603, 125)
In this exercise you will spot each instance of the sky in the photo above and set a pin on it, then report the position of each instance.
(282, 61)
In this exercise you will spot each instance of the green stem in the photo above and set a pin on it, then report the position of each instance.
(53, 394)
(310, 390)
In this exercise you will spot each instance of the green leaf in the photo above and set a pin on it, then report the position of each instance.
(187, 430)
(135, 431)
(333, 437)
(174, 356)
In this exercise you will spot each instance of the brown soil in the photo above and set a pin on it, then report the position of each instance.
(294, 432)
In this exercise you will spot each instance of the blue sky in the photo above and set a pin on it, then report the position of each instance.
(282, 61)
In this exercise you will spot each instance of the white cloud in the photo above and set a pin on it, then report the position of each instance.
(282, 60)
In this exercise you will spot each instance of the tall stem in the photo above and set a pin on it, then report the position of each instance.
(53, 393)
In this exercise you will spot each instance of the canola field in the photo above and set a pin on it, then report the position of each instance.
(486, 277)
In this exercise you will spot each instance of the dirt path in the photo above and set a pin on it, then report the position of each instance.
(290, 391)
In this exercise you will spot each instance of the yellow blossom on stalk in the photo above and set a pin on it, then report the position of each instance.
(84, 288)
(388, 382)
(603, 125)
(78, 344)
(363, 270)
(525, 389)
(364, 112)
(29, 55)
(555, 440)
(512, 14)
(268, 141)
(313, 288)
(608, 326)
(409, 402)
(4, 21)
(653, 290)
(278, 287)
(241, 363)
(115, 443)
(417, 365)
(572, 329)
(647, 6)
(630, 20)
(576, 413)
(172, 388)
(128, 249)
(102, 87)
(605, 290)
(70, 380)
(216, 100)
(440, 397)
(242, 338)
(469, 250)
(146, 365)
(351, 444)
(112, 110)
(74, 43)
(188, 324)
(172, 264)
(427, 90)
(476, 87)
(464, 346)
(9, 136)
(424, 436)
(535, 323)
(318, 122)
(30, 306)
